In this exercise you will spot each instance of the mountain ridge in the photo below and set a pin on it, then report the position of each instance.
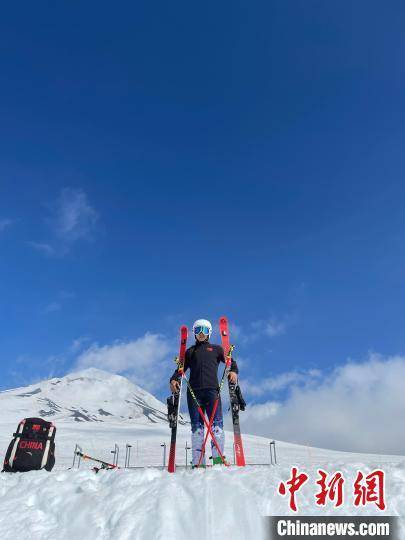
(89, 395)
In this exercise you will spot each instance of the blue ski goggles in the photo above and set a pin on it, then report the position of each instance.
(202, 329)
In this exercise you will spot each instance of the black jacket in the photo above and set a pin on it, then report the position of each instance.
(203, 360)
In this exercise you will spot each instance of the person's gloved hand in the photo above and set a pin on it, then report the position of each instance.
(233, 377)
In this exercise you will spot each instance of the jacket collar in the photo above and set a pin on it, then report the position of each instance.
(199, 343)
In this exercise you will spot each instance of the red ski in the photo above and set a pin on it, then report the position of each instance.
(233, 398)
(173, 402)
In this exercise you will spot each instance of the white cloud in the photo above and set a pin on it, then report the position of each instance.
(46, 249)
(271, 327)
(357, 407)
(250, 333)
(141, 359)
(5, 223)
(58, 304)
(52, 307)
(244, 362)
(235, 331)
(279, 382)
(66, 295)
(73, 217)
(78, 344)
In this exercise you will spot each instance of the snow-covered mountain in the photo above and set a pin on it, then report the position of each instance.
(91, 395)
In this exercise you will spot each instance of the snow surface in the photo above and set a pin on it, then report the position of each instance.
(149, 502)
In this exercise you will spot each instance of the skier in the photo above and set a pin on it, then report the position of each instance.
(203, 359)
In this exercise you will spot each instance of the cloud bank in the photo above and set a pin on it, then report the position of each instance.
(144, 360)
(358, 407)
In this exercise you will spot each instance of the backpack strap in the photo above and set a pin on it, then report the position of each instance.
(16, 441)
(47, 446)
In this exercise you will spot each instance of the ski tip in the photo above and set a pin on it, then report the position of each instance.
(223, 319)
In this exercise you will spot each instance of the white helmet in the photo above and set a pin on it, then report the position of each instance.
(204, 324)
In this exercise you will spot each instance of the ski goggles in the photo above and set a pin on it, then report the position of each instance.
(202, 330)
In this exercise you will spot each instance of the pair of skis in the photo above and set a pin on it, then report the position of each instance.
(174, 401)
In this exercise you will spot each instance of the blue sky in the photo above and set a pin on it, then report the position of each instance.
(164, 162)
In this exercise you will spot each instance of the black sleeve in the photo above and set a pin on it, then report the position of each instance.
(234, 365)
(176, 374)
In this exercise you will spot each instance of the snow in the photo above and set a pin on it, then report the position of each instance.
(149, 502)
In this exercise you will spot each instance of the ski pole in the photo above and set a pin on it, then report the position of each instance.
(85, 456)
